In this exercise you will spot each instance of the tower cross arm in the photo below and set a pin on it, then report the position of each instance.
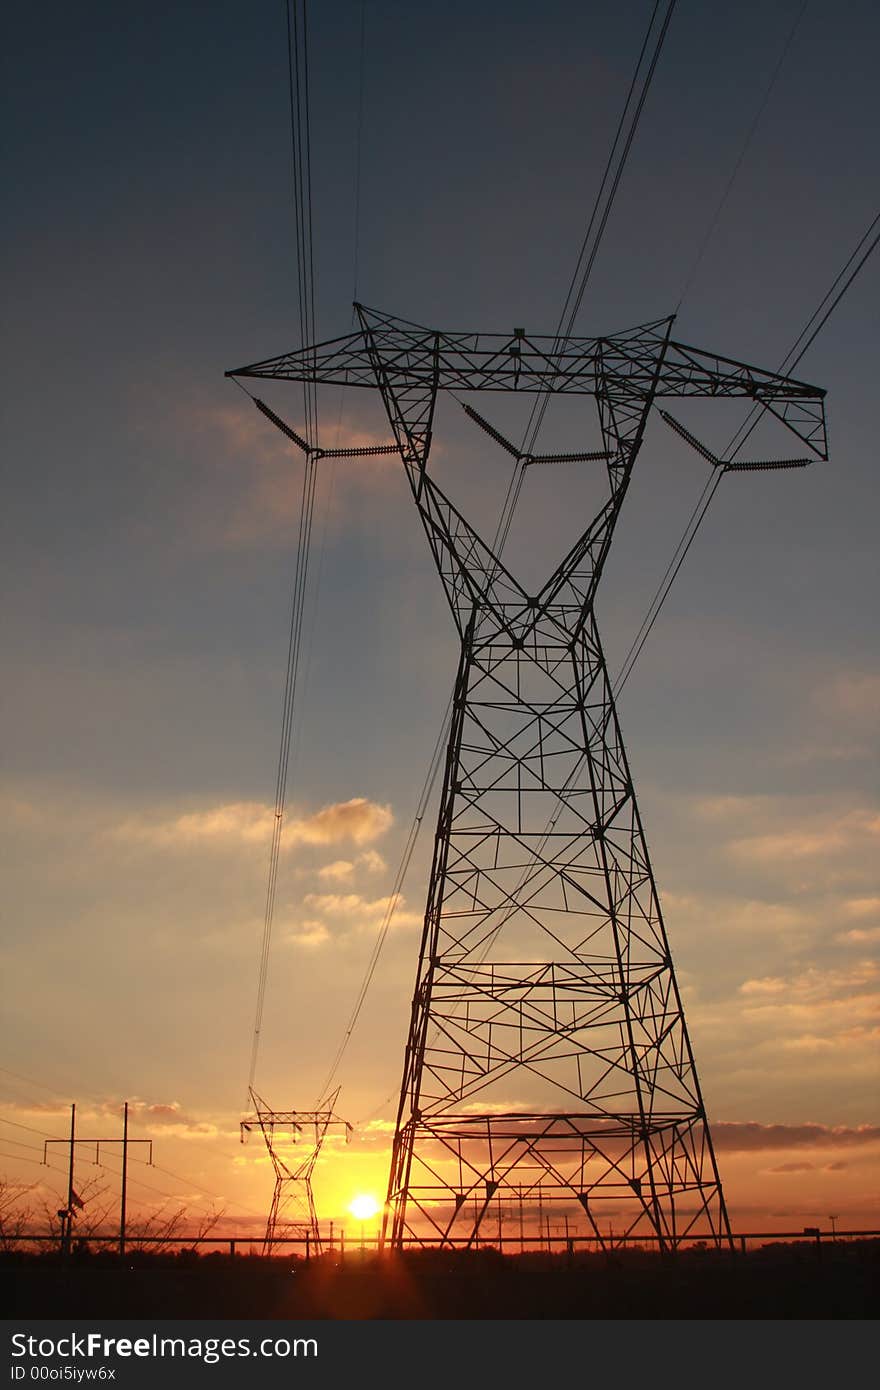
(690, 371)
(340, 360)
(637, 364)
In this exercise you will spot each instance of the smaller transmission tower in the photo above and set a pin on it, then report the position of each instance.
(292, 1213)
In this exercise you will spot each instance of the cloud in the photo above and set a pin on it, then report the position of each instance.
(862, 907)
(734, 914)
(859, 936)
(338, 870)
(811, 844)
(309, 934)
(800, 1032)
(145, 1115)
(170, 1115)
(251, 822)
(853, 696)
(358, 820)
(748, 1136)
(815, 987)
(353, 912)
(817, 1011)
(159, 1112)
(839, 722)
(244, 429)
(379, 1127)
(825, 835)
(344, 870)
(731, 807)
(372, 862)
(262, 469)
(765, 987)
(246, 822)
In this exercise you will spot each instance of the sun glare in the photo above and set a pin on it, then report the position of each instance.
(364, 1207)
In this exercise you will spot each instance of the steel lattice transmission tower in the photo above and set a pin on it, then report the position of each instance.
(548, 1064)
(293, 1213)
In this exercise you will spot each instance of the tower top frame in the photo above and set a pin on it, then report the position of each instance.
(637, 363)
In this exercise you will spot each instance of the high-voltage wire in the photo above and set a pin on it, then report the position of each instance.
(750, 134)
(818, 318)
(833, 295)
(357, 175)
(393, 900)
(639, 1111)
(590, 246)
(300, 136)
(601, 210)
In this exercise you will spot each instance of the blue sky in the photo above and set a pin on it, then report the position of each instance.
(149, 527)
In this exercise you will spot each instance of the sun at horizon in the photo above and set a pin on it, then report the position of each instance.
(364, 1206)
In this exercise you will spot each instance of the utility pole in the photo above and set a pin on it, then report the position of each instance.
(544, 958)
(73, 1200)
(67, 1220)
(124, 1179)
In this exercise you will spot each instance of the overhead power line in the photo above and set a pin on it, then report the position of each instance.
(602, 205)
(18, 1125)
(604, 201)
(393, 900)
(358, 143)
(806, 337)
(300, 137)
(746, 145)
(815, 323)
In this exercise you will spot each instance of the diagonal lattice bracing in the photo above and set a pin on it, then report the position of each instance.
(292, 1213)
(548, 1065)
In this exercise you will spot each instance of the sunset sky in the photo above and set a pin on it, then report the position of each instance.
(148, 540)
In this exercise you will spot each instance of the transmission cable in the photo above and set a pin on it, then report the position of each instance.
(300, 137)
(746, 145)
(574, 298)
(817, 320)
(564, 330)
(590, 246)
(805, 338)
(391, 907)
(580, 278)
(358, 146)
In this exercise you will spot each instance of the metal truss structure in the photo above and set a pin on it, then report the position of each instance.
(293, 1213)
(548, 1064)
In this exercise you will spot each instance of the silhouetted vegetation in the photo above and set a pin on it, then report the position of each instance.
(797, 1280)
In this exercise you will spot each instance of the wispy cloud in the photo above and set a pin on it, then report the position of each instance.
(818, 1012)
(357, 821)
(823, 834)
(353, 912)
(310, 934)
(859, 936)
(853, 696)
(169, 1118)
(262, 469)
(866, 912)
(810, 843)
(344, 870)
(735, 1136)
(724, 912)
